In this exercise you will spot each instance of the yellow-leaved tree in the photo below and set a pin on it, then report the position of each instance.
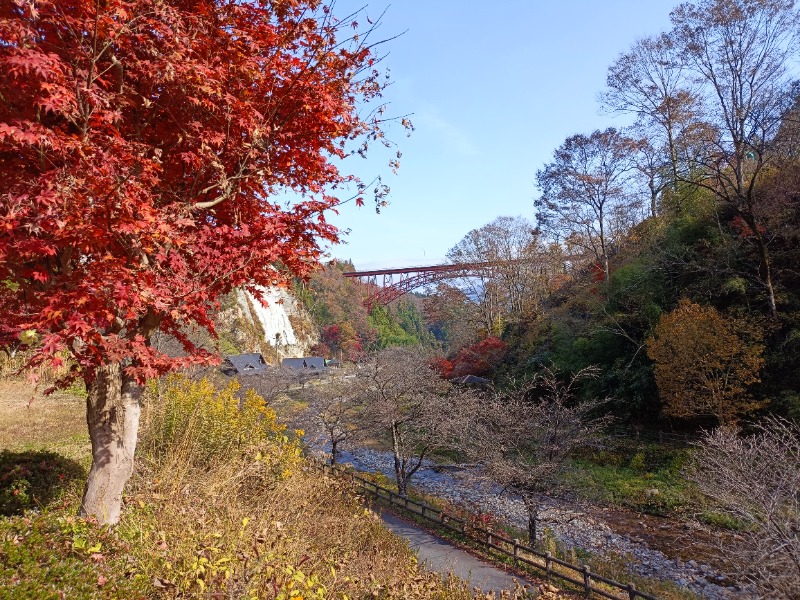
(705, 361)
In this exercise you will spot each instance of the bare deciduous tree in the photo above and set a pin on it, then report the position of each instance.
(516, 285)
(408, 401)
(524, 437)
(756, 480)
(337, 408)
(739, 52)
(650, 82)
(585, 193)
(271, 383)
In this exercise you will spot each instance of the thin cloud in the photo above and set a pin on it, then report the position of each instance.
(452, 136)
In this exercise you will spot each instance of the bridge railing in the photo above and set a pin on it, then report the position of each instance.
(409, 278)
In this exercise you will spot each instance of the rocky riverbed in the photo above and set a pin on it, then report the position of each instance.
(572, 525)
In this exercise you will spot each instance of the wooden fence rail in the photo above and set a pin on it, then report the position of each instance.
(544, 562)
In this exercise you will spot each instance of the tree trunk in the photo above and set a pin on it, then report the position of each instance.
(532, 530)
(112, 413)
(402, 487)
(400, 476)
(653, 203)
(766, 276)
(399, 461)
(334, 451)
(532, 505)
(765, 268)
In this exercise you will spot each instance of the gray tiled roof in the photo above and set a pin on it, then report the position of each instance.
(247, 363)
(307, 362)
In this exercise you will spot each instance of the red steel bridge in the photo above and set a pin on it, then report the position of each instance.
(396, 282)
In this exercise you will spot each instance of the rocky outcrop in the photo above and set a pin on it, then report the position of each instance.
(278, 329)
(278, 319)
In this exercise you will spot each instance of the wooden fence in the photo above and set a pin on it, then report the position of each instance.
(520, 554)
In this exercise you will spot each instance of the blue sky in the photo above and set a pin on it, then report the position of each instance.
(492, 88)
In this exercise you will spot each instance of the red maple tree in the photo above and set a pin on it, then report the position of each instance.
(142, 146)
(476, 359)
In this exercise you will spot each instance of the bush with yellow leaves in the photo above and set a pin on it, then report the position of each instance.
(206, 425)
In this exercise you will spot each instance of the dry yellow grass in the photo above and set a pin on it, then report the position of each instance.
(242, 520)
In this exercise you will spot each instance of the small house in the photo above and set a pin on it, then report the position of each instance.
(471, 380)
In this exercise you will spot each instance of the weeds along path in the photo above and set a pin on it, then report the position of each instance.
(586, 529)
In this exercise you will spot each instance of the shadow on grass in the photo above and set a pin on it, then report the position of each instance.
(34, 478)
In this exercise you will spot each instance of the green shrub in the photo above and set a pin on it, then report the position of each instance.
(607, 458)
(722, 520)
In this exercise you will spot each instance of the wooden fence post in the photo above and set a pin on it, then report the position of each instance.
(547, 565)
(516, 552)
(587, 580)
(631, 591)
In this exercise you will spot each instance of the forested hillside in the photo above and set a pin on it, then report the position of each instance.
(665, 253)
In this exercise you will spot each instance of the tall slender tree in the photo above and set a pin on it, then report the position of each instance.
(739, 52)
(513, 286)
(407, 400)
(524, 436)
(649, 81)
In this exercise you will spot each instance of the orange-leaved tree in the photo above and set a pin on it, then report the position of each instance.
(142, 147)
(705, 361)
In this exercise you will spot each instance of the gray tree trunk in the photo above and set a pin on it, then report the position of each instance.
(113, 406)
(532, 506)
(334, 450)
